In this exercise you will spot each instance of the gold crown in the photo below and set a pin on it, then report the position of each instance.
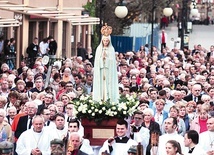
(106, 30)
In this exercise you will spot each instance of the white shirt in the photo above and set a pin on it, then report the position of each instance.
(159, 118)
(31, 140)
(43, 47)
(166, 137)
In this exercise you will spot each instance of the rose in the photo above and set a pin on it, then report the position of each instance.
(100, 111)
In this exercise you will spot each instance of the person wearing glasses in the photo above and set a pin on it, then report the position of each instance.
(138, 132)
(46, 115)
(69, 88)
(48, 100)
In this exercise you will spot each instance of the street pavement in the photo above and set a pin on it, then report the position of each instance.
(201, 34)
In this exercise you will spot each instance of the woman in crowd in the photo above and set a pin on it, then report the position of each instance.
(5, 129)
(53, 111)
(5, 68)
(60, 106)
(3, 101)
(173, 148)
(61, 89)
(30, 76)
(151, 125)
(67, 76)
(199, 123)
(65, 99)
(183, 114)
(56, 80)
(190, 109)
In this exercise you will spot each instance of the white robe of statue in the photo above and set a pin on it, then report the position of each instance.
(105, 81)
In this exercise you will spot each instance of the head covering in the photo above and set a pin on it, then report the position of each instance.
(132, 150)
(57, 141)
(6, 147)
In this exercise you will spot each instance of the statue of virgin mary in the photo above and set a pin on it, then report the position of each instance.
(105, 80)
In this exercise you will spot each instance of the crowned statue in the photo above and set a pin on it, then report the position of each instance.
(105, 81)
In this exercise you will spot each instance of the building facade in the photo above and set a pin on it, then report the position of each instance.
(62, 19)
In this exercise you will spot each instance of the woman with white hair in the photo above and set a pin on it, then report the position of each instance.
(4, 68)
(206, 99)
(150, 124)
(67, 76)
(5, 129)
(3, 101)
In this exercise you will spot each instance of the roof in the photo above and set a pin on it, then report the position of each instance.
(49, 13)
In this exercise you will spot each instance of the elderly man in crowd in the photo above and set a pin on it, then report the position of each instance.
(35, 141)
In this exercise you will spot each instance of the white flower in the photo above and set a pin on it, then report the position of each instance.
(89, 111)
(113, 108)
(124, 112)
(82, 97)
(103, 108)
(100, 111)
(93, 114)
(96, 110)
(115, 113)
(92, 108)
(77, 103)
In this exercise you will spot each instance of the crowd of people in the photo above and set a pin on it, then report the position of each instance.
(175, 89)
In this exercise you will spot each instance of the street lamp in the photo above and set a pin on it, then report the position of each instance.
(121, 10)
(167, 11)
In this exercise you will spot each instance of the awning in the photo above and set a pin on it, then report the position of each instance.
(50, 13)
(9, 22)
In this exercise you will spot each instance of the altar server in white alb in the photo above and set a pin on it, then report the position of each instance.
(191, 139)
(138, 132)
(206, 139)
(60, 131)
(35, 141)
(121, 143)
(171, 134)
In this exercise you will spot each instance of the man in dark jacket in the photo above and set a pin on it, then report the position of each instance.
(52, 46)
(32, 51)
(81, 51)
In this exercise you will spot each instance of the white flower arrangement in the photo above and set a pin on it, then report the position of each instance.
(85, 107)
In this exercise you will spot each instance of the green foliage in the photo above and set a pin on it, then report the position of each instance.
(91, 7)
